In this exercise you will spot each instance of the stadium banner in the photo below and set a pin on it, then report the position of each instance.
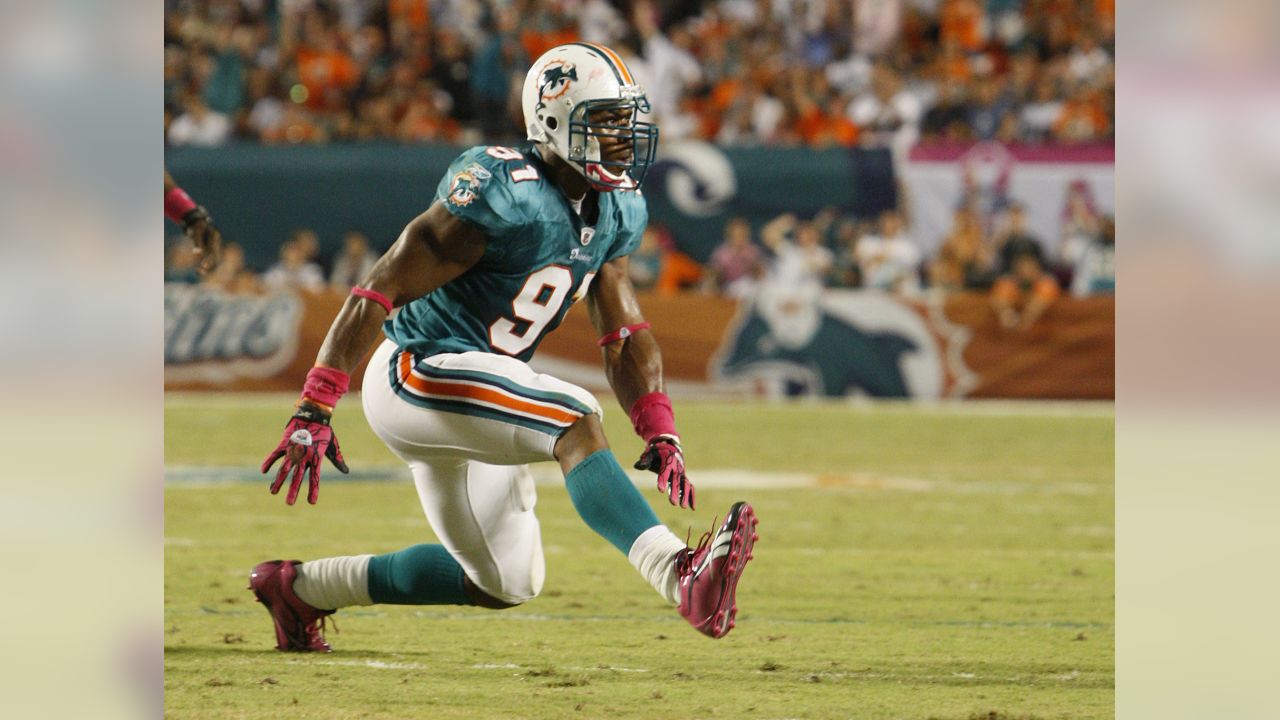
(937, 178)
(217, 341)
(783, 343)
(260, 194)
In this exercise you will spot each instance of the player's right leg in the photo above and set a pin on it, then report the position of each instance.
(489, 555)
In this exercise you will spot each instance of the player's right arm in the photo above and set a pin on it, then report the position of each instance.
(433, 249)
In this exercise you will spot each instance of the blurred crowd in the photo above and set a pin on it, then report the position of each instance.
(993, 253)
(299, 266)
(737, 72)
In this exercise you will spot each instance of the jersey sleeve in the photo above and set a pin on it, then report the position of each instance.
(634, 218)
(477, 189)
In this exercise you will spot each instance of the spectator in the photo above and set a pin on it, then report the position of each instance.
(845, 272)
(1022, 296)
(947, 120)
(736, 265)
(1016, 239)
(199, 125)
(267, 111)
(963, 21)
(877, 24)
(1095, 269)
(1037, 117)
(231, 275)
(310, 244)
(658, 265)
(425, 118)
(1080, 225)
(599, 22)
(670, 64)
(180, 263)
(494, 80)
(355, 262)
(964, 260)
(325, 70)
(800, 261)
(1024, 70)
(1088, 60)
(1082, 118)
(889, 261)
(294, 271)
(888, 116)
(451, 70)
(987, 109)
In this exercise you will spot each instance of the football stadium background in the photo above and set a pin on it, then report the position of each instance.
(910, 175)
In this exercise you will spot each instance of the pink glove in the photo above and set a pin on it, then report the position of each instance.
(307, 438)
(664, 456)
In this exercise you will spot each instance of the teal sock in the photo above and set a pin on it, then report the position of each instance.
(418, 575)
(605, 498)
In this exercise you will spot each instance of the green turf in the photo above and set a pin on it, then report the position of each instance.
(976, 582)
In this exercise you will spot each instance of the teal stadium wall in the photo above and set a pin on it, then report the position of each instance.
(259, 194)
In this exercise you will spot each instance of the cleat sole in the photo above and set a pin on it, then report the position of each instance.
(740, 552)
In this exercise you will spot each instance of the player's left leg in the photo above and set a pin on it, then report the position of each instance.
(701, 581)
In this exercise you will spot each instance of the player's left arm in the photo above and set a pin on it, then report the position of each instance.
(633, 365)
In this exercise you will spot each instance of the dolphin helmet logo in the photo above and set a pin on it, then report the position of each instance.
(555, 79)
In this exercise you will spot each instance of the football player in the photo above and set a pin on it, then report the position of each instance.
(195, 222)
(513, 238)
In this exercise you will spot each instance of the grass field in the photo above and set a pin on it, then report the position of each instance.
(935, 562)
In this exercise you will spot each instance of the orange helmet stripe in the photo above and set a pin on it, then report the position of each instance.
(613, 58)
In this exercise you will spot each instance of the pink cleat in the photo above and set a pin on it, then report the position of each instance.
(709, 573)
(298, 625)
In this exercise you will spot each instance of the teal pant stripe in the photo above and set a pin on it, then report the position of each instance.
(605, 498)
(418, 575)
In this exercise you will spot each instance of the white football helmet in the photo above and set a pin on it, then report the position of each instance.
(564, 90)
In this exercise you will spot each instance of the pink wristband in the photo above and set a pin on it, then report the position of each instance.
(177, 203)
(373, 295)
(326, 385)
(625, 331)
(652, 415)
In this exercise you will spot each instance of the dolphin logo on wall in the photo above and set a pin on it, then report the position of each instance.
(832, 344)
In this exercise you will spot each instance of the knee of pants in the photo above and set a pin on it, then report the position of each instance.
(515, 583)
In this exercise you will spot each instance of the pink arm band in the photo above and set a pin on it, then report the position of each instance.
(326, 385)
(625, 331)
(652, 416)
(177, 203)
(373, 295)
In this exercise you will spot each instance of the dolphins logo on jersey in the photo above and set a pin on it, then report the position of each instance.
(465, 186)
(462, 189)
(555, 79)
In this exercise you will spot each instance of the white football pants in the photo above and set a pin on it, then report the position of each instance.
(467, 424)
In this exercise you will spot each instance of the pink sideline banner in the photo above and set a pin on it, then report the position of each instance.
(936, 179)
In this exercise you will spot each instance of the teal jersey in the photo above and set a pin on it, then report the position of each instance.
(540, 257)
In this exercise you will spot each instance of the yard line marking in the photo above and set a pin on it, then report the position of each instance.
(375, 664)
(549, 475)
